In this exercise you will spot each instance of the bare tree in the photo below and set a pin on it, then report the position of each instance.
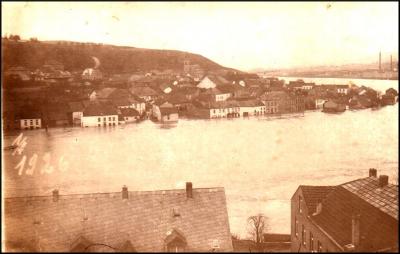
(257, 227)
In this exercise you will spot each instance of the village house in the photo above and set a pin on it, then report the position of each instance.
(99, 114)
(212, 109)
(146, 93)
(282, 102)
(300, 85)
(187, 220)
(339, 89)
(251, 107)
(76, 111)
(128, 115)
(333, 107)
(121, 98)
(29, 118)
(390, 97)
(212, 81)
(166, 88)
(92, 74)
(357, 216)
(164, 111)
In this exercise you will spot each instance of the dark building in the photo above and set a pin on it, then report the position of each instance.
(360, 216)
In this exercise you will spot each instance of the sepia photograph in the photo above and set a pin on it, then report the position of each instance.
(200, 126)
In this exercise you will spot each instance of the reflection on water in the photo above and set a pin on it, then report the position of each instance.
(260, 163)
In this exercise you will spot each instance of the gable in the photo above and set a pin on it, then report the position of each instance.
(206, 83)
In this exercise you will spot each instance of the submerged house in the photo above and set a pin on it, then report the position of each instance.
(191, 220)
(333, 107)
(164, 111)
(99, 114)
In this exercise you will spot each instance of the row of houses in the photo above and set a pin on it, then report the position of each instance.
(356, 216)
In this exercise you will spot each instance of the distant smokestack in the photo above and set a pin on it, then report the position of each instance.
(379, 61)
(391, 63)
(125, 193)
(55, 195)
(189, 190)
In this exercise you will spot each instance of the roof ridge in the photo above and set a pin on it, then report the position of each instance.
(211, 189)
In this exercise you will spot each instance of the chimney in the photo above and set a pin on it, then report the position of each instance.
(391, 63)
(55, 195)
(124, 192)
(189, 190)
(355, 230)
(383, 180)
(379, 61)
(372, 172)
(318, 209)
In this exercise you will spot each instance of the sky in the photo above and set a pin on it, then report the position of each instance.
(240, 35)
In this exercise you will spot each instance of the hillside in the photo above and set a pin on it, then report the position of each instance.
(114, 59)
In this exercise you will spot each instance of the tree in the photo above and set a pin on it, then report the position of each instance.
(258, 225)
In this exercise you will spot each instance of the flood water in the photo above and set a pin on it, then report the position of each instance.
(260, 162)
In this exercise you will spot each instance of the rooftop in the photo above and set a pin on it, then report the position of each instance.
(144, 218)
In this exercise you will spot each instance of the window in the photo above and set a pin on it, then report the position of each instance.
(37, 121)
(126, 118)
(113, 118)
(25, 122)
(214, 111)
(303, 235)
(296, 227)
(300, 199)
(311, 242)
(31, 122)
(104, 119)
(319, 247)
(98, 119)
(97, 125)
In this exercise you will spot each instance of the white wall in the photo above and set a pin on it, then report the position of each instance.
(250, 110)
(88, 121)
(222, 97)
(28, 123)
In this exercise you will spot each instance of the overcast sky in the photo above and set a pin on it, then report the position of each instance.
(238, 35)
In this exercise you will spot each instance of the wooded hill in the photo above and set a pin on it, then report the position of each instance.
(77, 56)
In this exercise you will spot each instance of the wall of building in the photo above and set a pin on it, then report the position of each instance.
(109, 120)
(318, 235)
(260, 110)
(170, 118)
(34, 123)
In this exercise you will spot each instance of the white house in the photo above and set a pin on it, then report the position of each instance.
(30, 118)
(207, 83)
(251, 107)
(35, 123)
(342, 89)
(99, 114)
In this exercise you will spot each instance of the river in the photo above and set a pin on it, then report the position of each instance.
(260, 162)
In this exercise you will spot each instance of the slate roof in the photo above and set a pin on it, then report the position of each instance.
(377, 207)
(143, 91)
(129, 112)
(99, 109)
(250, 103)
(76, 106)
(145, 219)
(167, 111)
(385, 199)
(314, 194)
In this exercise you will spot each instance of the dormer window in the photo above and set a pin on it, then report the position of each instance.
(175, 242)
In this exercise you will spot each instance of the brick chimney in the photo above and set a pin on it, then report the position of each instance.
(189, 190)
(355, 230)
(55, 195)
(383, 180)
(125, 192)
(372, 172)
